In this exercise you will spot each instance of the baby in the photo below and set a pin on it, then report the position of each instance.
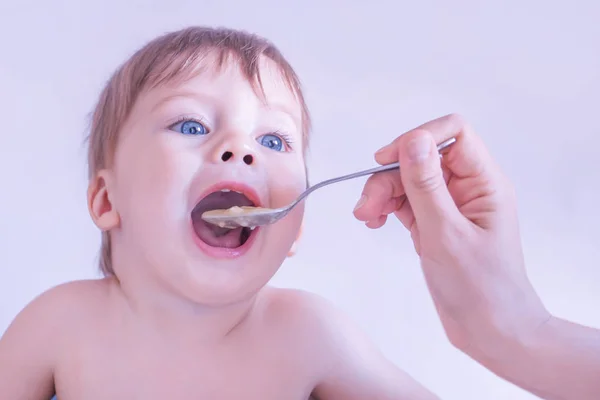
(198, 119)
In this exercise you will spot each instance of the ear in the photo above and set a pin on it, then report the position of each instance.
(294, 248)
(101, 208)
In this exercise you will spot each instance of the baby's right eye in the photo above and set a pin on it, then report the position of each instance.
(190, 127)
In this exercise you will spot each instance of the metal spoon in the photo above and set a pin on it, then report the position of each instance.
(236, 217)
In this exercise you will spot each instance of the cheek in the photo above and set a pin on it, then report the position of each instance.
(154, 183)
(287, 182)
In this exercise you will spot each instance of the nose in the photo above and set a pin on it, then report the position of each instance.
(229, 155)
(235, 149)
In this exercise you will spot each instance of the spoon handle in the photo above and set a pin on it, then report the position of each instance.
(358, 174)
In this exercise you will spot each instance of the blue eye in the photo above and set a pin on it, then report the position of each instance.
(190, 127)
(272, 142)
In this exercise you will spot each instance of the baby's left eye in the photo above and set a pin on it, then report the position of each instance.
(190, 127)
(272, 141)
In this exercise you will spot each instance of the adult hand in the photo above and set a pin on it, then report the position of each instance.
(461, 213)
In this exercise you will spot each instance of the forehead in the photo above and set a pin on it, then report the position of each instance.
(229, 82)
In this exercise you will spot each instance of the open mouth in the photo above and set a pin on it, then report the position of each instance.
(216, 236)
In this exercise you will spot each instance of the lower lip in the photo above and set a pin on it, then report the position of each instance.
(223, 252)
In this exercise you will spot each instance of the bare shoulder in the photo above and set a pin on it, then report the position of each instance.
(347, 364)
(318, 316)
(33, 342)
(54, 310)
(296, 298)
(294, 306)
(67, 302)
(307, 319)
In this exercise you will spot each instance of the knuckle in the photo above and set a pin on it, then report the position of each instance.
(456, 119)
(372, 184)
(415, 133)
(384, 183)
(429, 181)
(459, 124)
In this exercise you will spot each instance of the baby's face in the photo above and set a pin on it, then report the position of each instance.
(208, 143)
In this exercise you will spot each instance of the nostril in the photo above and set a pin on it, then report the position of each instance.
(248, 159)
(226, 156)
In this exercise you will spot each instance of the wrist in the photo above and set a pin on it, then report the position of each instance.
(511, 350)
(557, 360)
(503, 336)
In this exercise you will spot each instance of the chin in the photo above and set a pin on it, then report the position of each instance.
(224, 276)
(219, 277)
(224, 283)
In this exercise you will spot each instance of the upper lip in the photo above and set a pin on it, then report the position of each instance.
(239, 187)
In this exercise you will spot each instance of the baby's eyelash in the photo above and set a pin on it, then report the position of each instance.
(286, 138)
(186, 119)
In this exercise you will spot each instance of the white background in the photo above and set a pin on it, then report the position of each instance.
(525, 73)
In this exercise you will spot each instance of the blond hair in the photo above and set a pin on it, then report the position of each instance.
(164, 59)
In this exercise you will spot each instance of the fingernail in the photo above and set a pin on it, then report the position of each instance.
(361, 202)
(419, 148)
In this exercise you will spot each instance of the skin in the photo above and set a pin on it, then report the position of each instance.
(462, 216)
(175, 322)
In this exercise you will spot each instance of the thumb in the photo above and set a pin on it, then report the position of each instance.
(424, 184)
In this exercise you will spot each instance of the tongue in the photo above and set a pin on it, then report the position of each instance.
(214, 235)
(218, 237)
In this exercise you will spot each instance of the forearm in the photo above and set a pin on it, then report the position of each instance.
(561, 361)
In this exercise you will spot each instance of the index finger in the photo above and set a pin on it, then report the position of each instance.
(467, 157)
(380, 196)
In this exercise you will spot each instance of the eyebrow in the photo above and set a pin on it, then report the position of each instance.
(280, 107)
(184, 95)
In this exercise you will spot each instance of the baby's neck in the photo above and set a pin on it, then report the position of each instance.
(168, 316)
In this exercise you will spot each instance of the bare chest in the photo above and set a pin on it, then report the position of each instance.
(131, 373)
